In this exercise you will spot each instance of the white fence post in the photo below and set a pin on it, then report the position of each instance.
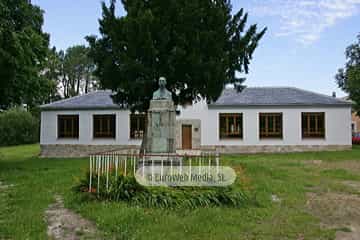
(116, 165)
(107, 172)
(152, 171)
(90, 172)
(217, 162)
(99, 172)
(200, 162)
(104, 163)
(209, 157)
(126, 159)
(162, 168)
(134, 159)
(180, 164)
(190, 167)
(171, 166)
(143, 165)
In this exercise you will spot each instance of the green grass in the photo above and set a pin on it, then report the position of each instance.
(36, 181)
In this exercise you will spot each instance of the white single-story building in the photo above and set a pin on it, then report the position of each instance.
(257, 119)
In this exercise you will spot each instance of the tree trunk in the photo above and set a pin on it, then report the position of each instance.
(78, 86)
(65, 83)
(86, 83)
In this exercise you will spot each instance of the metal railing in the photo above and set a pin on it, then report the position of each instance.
(113, 164)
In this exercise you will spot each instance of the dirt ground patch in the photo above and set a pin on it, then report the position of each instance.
(66, 225)
(340, 211)
(355, 185)
(350, 165)
(337, 210)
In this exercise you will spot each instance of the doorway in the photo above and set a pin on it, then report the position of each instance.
(186, 136)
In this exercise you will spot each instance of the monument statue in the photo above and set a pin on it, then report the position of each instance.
(162, 93)
(160, 134)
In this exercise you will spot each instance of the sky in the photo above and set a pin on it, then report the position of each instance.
(303, 47)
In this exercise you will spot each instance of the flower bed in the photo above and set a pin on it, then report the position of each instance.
(127, 189)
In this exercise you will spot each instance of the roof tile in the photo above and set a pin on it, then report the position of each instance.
(274, 96)
(251, 96)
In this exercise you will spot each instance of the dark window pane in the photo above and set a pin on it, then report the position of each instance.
(137, 125)
(270, 125)
(104, 126)
(222, 126)
(230, 125)
(68, 126)
(239, 125)
(262, 124)
(313, 125)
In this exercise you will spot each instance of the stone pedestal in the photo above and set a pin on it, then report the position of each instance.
(160, 133)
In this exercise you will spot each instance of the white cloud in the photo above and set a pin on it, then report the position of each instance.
(305, 19)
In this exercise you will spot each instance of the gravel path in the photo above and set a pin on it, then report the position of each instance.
(64, 224)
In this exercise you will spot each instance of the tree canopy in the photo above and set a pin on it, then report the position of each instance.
(348, 78)
(198, 45)
(77, 70)
(23, 52)
(71, 71)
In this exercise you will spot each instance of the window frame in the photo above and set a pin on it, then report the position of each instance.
(271, 134)
(228, 133)
(315, 134)
(65, 134)
(110, 133)
(137, 116)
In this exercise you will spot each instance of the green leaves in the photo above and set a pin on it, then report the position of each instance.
(77, 69)
(348, 78)
(18, 126)
(126, 189)
(23, 50)
(197, 45)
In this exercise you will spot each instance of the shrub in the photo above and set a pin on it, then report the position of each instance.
(127, 189)
(356, 140)
(18, 126)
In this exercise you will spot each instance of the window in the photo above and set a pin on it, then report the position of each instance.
(270, 125)
(137, 125)
(68, 126)
(104, 126)
(313, 125)
(231, 125)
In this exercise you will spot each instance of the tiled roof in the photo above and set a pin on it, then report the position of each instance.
(251, 96)
(262, 96)
(94, 100)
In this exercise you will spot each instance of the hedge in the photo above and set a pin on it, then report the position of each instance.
(17, 126)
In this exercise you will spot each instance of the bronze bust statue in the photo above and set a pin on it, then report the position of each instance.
(162, 93)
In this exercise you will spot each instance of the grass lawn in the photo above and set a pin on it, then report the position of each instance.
(33, 182)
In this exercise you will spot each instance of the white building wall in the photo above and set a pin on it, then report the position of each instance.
(49, 128)
(337, 124)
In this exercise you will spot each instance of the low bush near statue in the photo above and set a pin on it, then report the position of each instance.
(127, 189)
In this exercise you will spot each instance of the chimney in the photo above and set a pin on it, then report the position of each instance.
(334, 94)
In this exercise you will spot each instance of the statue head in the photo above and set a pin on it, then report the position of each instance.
(162, 82)
(162, 92)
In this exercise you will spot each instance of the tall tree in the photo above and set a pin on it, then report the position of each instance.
(198, 45)
(77, 70)
(52, 72)
(23, 51)
(348, 78)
